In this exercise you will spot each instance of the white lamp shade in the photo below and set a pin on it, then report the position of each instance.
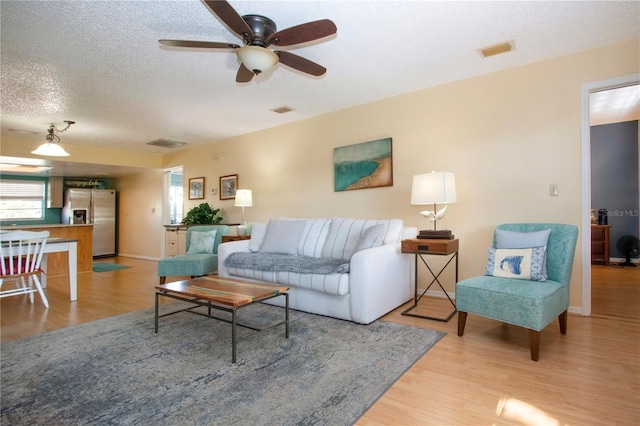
(433, 188)
(51, 150)
(243, 198)
(257, 59)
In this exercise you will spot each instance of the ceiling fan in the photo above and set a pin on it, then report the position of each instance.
(258, 33)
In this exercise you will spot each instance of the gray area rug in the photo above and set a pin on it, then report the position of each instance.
(117, 371)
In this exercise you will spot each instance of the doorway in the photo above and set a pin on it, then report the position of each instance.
(173, 196)
(587, 91)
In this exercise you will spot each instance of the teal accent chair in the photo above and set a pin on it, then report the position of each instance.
(193, 265)
(529, 304)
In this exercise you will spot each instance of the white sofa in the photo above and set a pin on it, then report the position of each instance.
(379, 277)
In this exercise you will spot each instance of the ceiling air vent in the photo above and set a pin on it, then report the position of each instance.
(282, 109)
(166, 143)
(497, 49)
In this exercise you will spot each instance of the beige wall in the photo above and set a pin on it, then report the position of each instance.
(507, 136)
(21, 148)
(140, 232)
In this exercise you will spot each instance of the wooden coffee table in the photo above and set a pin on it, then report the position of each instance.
(223, 294)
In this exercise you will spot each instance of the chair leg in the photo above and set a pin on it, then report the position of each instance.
(162, 280)
(39, 287)
(25, 287)
(563, 322)
(462, 321)
(534, 343)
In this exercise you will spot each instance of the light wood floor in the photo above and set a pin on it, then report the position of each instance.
(590, 376)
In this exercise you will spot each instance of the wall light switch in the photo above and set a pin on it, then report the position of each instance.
(214, 191)
(153, 210)
(554, 190)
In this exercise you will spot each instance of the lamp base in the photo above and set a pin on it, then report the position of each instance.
(435, 235)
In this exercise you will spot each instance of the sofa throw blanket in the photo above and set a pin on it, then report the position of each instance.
(273, 262)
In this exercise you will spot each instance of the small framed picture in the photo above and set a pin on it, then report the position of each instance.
(196, 188)
(228, 187)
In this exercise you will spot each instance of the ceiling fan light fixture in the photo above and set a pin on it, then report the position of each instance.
(257, 59)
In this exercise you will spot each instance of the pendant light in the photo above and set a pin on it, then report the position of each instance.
(53, 148)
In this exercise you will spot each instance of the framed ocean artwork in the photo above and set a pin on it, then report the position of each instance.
(364, 165)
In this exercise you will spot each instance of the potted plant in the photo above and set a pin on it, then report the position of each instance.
(202, 214)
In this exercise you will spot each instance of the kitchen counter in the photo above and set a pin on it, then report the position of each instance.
(44, 226)
(57, 263)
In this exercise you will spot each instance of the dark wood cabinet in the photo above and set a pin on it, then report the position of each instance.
(228, 238)
(600, 244)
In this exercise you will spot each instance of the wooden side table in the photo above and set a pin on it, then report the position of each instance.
(228, 238)
(600, 244)
(421, 247)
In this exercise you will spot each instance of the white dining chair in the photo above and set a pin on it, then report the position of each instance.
(22, 253)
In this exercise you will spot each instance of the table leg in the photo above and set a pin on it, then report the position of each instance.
(156, 319)
(436, 279)
(43, 275)
(286, 315)
(73, 270)
(233, 336)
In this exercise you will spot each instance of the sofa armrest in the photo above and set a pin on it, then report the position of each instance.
(225, 250)
(380, 281)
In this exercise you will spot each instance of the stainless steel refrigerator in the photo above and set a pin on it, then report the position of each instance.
(96, 207)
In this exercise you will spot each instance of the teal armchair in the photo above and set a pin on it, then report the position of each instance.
(525, 303)
(201, 256)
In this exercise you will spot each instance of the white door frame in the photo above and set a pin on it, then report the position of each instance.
(166, 204)
(585, 240)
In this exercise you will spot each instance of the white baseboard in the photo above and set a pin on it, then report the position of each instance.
(439, 294)
(139, 257)
(620, 259)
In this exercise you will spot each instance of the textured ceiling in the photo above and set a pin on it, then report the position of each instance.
(99, 63)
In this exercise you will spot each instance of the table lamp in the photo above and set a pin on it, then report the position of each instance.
(434, 188)
(243, 199)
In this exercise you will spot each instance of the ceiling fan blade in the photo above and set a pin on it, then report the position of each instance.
(205, 44)
(244, 75)
(304, 33)
(231, 18)
(301, 64)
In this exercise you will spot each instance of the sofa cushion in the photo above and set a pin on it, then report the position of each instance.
(344, 235)
(311, 241)
(393, 234)
(517, 240)
(334, 284)
(523, 264)
(202, 242)
(220, 231)
(257, 235)
(266, 276)
(314, 236)
(372, 237)
(282, 236)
